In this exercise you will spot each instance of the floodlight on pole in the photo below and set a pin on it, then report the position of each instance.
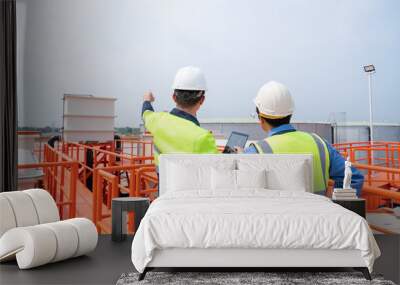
(370, 69)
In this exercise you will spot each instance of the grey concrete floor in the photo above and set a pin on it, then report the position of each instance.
(103, 266)
(110, 259)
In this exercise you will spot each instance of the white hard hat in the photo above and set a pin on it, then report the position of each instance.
(274, 101)
(189, 78)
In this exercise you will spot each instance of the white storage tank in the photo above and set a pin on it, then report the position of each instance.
(88, 118)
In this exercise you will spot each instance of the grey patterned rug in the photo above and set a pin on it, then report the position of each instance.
(228, 278)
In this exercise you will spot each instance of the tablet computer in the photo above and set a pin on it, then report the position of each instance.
(236, 139)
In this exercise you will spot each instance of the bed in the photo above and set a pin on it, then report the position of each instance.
(247, 211)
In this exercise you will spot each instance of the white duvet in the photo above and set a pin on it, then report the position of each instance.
(250, 219)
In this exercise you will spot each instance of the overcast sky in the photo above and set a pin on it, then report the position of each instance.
(122, 48)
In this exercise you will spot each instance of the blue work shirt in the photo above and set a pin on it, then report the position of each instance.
(336, 161)
(175, 111)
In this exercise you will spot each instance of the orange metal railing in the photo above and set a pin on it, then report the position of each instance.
(103, 155)
(60, 175)
(146, 182)
(116, 167)
(103, 194)
(380, 163)
(381, 186)
(378, 174)
(373, 153)
(107, 169)
(134, 147)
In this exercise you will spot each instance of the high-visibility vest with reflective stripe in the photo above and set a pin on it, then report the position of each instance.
(172, 134)
(297, 142)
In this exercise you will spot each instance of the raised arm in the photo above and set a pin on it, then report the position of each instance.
(148, 98)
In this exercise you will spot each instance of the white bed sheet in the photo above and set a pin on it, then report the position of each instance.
(253, 218)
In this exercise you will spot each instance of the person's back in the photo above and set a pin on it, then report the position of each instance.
(179, 131)
(297, 142)
(172, 134)
(274, 106)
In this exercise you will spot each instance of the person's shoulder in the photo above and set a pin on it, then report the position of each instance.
(155, 113)
(153, 116)
(203, 132)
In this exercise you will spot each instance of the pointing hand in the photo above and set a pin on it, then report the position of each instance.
(148, 96)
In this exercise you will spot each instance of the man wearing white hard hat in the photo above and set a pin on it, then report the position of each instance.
(179, 131)
(275, 106)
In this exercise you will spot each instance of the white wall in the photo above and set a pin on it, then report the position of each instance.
(121, 48)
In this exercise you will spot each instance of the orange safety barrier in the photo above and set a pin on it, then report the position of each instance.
(380, 163)
(104, 155)
(375, 195)
(373, 153)
(66, 164)
(146, 181)
(103, 195)
(390, 175)
(381, 185)
(134, 147)
(113, 180)
(54, 167)
(66, 171)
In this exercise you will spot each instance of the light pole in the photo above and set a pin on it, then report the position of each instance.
(370, 69)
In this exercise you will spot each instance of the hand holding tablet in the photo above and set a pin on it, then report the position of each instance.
(236, 142)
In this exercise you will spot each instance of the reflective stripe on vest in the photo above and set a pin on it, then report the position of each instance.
(172, 134)
(156, 153)
(156, 149)
(301, 143)
(322, 155)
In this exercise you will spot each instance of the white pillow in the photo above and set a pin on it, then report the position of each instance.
(251, 178)
(282, 173)
(229, 180)
(223, 179)
(182, 177)
(294, 180)
(186, 175)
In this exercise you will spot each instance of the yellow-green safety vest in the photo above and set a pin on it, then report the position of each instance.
(297, 142)
(172, 134)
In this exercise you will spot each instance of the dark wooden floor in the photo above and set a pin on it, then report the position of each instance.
(110, 260)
